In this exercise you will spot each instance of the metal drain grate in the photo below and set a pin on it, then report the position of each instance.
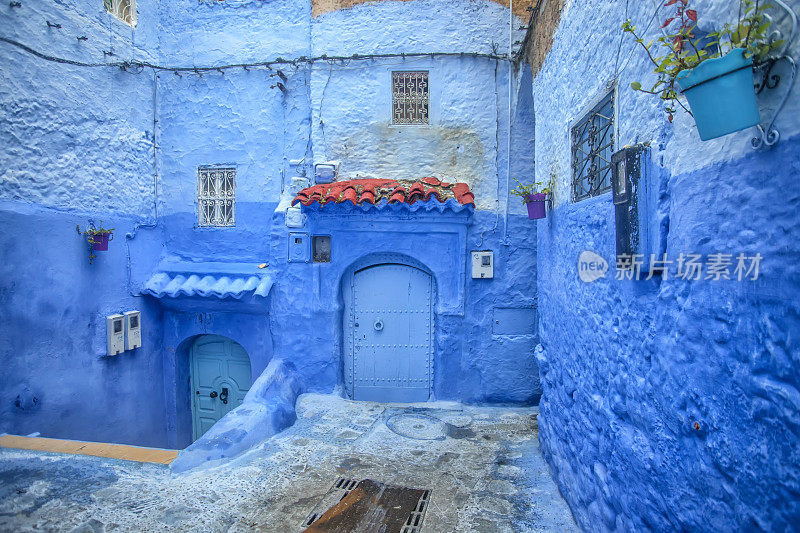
(368, 504)
(340, 488)
(414, 522)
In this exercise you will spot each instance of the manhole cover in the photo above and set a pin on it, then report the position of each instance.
(420, 427)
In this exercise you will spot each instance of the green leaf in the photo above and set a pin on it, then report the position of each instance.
(636, 86)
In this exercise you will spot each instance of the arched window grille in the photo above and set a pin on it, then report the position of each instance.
(124, 10)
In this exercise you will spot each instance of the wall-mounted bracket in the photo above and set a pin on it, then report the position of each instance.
(548, 201)
(765, 78)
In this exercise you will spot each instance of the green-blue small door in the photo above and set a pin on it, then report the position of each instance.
(220, 380)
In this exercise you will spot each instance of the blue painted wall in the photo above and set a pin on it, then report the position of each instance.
(77, 146)
(56, 377)
(668, 405)
(124, 147)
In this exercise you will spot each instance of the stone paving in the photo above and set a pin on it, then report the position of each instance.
(482, 465)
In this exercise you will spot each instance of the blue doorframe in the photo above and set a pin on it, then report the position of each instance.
(388, 330)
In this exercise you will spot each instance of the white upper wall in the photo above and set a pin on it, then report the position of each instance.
(416, 26)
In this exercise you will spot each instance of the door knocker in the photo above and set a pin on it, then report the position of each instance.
(378, 324)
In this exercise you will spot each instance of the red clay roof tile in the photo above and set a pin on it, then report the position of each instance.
(372, 190)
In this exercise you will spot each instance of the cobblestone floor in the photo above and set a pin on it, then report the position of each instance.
(482, 465)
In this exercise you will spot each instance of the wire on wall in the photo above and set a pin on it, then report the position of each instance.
(508, 136)
(133, 65)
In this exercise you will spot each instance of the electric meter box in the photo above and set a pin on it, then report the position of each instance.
(133, 330)
(326, 172)
(482, 264)
(295, 218)
(115, 334)
(299, 248)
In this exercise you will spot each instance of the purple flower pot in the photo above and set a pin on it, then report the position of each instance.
(535, 205)
(99, 242)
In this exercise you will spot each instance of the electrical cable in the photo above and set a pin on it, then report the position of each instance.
(321, 103)
(658, 4)
(154, 224)
(508, 136)
(619, 47)
(268, 64)
(496, 160)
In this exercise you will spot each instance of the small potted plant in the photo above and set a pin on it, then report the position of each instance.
(714, 70)
(97, 237)
(533, 198)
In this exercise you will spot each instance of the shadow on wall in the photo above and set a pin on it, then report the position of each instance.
(268, 409)
(183, 392)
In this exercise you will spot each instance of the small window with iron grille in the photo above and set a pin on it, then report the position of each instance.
(216, 196)
(592, 146)
(124, 10)
(410, 97)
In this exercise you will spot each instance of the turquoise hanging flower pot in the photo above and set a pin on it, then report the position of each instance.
(721, 94)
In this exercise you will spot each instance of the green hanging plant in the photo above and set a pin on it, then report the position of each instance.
(523, 191)
(679, 48)
(97, 238)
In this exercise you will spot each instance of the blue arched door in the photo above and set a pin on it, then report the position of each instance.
(220, 380)
(390, 334)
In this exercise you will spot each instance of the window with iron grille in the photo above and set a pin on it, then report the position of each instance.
(216, 196)
(410, 97)
(124, 10)
(592, 146)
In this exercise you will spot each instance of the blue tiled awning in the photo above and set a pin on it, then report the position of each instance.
(208, 280)
(163, 285)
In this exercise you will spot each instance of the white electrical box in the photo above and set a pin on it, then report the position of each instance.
(133, 330)
(298, 183)
(326, 172)
(295, 218)
(482, 264)
(115, 334)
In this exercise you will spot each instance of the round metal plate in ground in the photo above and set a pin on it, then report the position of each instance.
(416, 426)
